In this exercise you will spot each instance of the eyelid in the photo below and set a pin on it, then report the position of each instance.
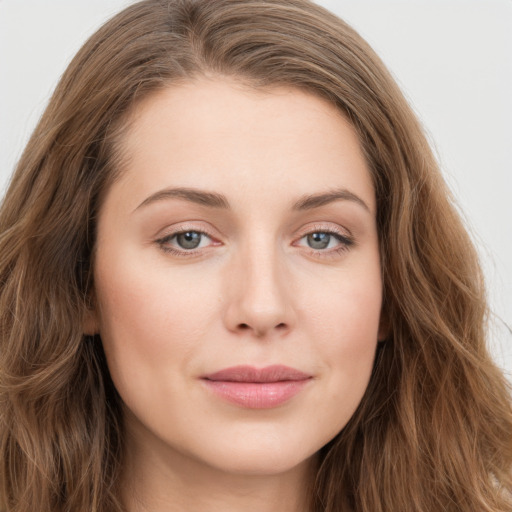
(182, 227)
(343, 235)
(328, 227)
(167, 234)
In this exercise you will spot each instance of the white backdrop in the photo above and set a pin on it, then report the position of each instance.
(452, 58)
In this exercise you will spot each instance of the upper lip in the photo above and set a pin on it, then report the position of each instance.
(243, 373)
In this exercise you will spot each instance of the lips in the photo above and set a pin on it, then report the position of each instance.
(257, 388)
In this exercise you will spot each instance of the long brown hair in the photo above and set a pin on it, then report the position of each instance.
(434, 429)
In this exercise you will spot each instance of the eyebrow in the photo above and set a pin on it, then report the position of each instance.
(308, 202)
(215, 200)
(210, 199)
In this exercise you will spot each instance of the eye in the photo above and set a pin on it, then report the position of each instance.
(319, 240)
(189, 239)
(185, 241)
(325, 241)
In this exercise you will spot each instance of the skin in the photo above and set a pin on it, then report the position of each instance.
(253, 292)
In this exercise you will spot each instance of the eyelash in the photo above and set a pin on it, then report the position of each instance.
(164, 242)
(346, 242)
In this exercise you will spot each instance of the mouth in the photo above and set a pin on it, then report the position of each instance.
(257, 388)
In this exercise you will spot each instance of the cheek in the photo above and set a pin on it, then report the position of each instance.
(149, 318)
(344, 322)
(346, 309)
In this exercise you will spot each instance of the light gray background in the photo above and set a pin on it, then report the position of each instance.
(452, 58)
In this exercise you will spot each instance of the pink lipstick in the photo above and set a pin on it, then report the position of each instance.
(255, 388)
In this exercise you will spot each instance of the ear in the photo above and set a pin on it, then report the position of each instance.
(90, 321)
(90, 326)
(384, 326)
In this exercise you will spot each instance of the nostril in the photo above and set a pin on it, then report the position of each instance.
(246, 327)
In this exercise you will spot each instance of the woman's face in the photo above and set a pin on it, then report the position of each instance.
(237, 276)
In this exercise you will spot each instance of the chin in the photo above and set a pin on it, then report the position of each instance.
(260, 462)
(258, 455)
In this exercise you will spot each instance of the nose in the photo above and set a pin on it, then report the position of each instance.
(259, 296)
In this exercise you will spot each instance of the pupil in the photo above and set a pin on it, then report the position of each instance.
(319, 240)
(189, 239)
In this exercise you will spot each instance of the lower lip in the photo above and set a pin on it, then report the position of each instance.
(256, 395)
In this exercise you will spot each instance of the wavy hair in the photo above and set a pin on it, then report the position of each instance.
(434, 429)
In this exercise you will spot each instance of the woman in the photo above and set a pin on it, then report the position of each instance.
(232, 278)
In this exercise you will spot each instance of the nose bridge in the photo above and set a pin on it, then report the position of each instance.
(259, 298)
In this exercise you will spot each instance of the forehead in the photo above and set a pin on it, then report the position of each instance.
(223, 134)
